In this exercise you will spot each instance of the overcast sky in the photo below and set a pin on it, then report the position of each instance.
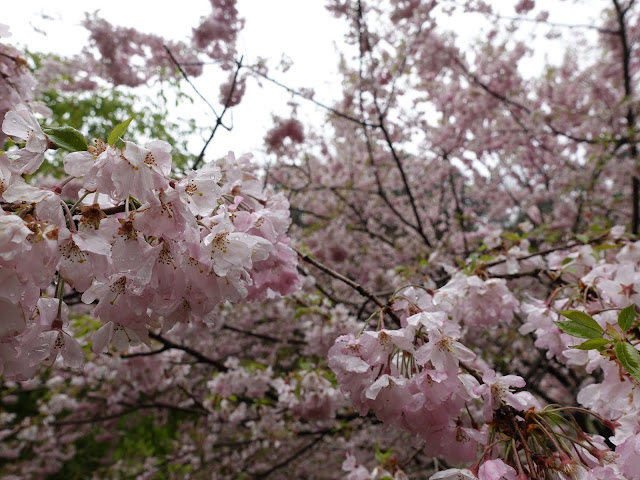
(300, 29)
(270, 31)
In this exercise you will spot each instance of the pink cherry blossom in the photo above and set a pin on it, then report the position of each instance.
(496, 391)
(454, 474)
(22, 124)
(496, 470)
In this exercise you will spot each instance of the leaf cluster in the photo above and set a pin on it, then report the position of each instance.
(583, 325)
(79, 116)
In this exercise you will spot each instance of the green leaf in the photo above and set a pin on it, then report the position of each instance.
(629, 357)
(298, 391)
(585, 320)
(593, 344)
(626, 317)
(68, 138)
(614, 333)
(514, 237)
(382, 457)
(554, 418)
(118, 131)
(469, 269)
(579, 330)
(583, 238)
(300, 312)
(606, 246)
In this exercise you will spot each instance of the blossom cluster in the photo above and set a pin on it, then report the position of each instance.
(145, 250)
(416, 378)
(395, 197)
(422, 379)
(602, 284)
(18, 84)
(475, 302)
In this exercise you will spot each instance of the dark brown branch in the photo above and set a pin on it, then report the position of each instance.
(335, 112)
(164, 348)
(105, 418)
(364, 45)
(635, 224)
(301, 211)
(444, 279)
(458, 205)
(362, 219)
(631, 117)
(227, 103)
(549, 250)
(194, 353)
(291, 458)
(498, 96)
(197, 402)
(356, 286)
(570, 26)
(113, 210)
(401, 68)
(381, 192)
(186, 77)
(262, 336)
(174, 408)
(320, 288)
(512, 276)
(419, 228)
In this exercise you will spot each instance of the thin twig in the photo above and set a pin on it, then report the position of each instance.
(227, 102)
(164, 348)
(403, 175)
(570, 26)
(356, 286)
(186, 77)
(262, 336)
(335, 112)
(631, 117)
(290, 459)
(194, 353)
(499, 96)
(105, 418)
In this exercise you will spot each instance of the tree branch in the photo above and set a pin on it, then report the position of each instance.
(290, 459)
(356, 286)
(332, 110)
(227, 102)
(194, 353)
(186, 77)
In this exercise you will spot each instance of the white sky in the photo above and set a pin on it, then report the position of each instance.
(269, 32)
(300, 29)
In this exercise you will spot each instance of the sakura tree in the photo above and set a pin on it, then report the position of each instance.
(444, 287)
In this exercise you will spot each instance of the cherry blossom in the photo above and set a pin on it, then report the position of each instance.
(496, 391)
(453, 474)
(396, 287)
(21, 123)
